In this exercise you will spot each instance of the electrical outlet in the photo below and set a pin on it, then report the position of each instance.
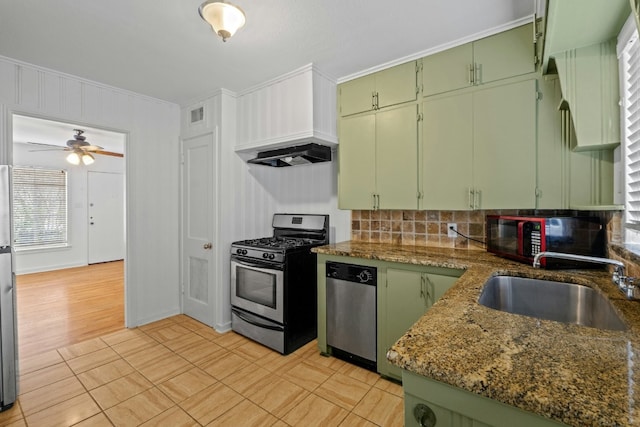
(452, 227)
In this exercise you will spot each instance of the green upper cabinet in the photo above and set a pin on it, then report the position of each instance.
(589, 81)
(357, 162)
(507, 54)
(357, 95)
(447, 152)
(504, 146)
(397, 158)
(572, 24)
(378, 167)
(568, 179)
(504, 55)
(479, 149)
(392, 86)
(448, 70)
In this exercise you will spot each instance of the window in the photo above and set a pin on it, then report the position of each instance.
(629, 64)
(39, 207)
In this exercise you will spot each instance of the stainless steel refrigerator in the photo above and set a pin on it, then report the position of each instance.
(8, 344)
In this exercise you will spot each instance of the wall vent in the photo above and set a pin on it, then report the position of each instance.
(197, 114)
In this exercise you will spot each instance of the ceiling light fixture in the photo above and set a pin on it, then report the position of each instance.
(88, 159)
(78, 155)
(73, 158)
(224, 18)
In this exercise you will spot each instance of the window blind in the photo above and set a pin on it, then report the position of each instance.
(630, 65)
(39, 207)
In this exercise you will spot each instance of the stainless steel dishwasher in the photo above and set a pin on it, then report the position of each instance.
(351, 313)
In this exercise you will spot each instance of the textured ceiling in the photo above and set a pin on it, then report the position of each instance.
(162, 48)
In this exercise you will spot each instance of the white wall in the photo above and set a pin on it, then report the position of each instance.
(152, 170)
(76, 254)
(249, 195)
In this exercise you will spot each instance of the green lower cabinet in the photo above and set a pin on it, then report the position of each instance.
(431, 403)
(405, 292)
(409, 292)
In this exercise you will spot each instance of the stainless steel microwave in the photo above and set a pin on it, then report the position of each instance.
(520, 238)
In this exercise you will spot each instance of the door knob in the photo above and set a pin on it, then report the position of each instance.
(207, 246)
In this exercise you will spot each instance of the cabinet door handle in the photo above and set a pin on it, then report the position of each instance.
(427, 285)
(477, 73)
(470, 74)
(376, 201)
(424, 415)
(373, 100)
(477, 199)
(471, 197)
(423, 286)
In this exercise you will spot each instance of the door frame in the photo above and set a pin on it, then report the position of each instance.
(216, 287)
(6, 157)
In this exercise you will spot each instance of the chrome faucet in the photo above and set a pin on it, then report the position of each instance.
(625, 284)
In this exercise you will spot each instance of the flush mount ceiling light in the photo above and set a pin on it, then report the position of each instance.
(224, 18)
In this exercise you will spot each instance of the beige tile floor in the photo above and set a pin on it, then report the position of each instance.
(178, 372)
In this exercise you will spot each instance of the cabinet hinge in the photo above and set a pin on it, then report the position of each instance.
(420, 117)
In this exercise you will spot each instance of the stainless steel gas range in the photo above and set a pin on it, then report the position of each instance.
(273, 282)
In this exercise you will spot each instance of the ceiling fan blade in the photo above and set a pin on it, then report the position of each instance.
(44, 144)
(108, 153)
(48, 149)
(90, 147)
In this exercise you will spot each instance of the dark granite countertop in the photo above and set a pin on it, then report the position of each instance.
(570, 373)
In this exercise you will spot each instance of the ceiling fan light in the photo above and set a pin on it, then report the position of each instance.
(88, 159)
(73, 158)
(224, 18)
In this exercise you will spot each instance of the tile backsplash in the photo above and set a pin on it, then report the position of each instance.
(429, 228)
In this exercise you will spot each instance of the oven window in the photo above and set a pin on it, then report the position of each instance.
(256, 286)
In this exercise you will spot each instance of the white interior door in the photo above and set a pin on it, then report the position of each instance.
(106, 216)
(198, 219)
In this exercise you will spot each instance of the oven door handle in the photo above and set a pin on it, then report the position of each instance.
(253, 322)
(261, 267)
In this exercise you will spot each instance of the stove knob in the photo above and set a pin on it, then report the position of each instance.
(265, 255)
(239, 251)
(272, 256)
(244, 252)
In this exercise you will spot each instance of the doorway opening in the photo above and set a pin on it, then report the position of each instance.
(81, 275)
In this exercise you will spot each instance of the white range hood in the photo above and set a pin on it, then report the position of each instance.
(294, 109)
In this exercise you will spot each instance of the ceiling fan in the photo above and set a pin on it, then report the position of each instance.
(81, 149)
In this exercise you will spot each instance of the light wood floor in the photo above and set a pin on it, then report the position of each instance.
(64, 307)
(179, 372)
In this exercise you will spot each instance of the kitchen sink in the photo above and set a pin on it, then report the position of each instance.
(545, 299)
